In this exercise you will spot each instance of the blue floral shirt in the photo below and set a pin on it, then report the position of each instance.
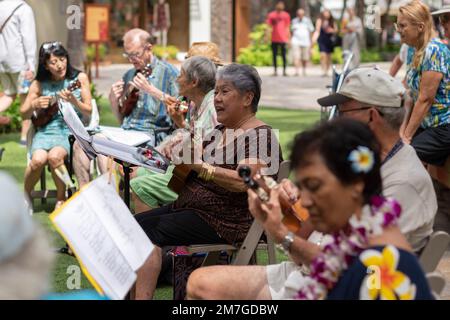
(150, 113)
(436, 58)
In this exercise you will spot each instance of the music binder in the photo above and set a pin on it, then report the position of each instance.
(147, 157)
(107, 241)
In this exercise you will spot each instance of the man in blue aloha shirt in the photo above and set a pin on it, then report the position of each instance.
(150, 112)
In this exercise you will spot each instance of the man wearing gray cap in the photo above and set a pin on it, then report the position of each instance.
(375, 98)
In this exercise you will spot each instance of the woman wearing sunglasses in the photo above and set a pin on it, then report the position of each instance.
(50, 143)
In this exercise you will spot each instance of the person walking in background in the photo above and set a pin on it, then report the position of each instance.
(279, 21)
(325, 29)
(17, 54)
(352, 29)
(302, 30)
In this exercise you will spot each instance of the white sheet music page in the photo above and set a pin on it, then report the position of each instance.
(128, 137)
(105, 237)
(73, 121)
(119, 221)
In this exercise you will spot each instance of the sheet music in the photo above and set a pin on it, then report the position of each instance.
(122, 152)
(105, 237)
(128, 137)
(96, 249)
(76, 127)
(94, 145)
(73, 121)
(119, 221)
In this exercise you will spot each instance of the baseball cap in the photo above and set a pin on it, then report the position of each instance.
(16, 224)
(368, 85)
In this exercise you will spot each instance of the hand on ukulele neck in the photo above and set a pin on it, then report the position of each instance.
(294, 213)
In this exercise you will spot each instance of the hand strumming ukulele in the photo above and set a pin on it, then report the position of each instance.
(182, 105)
(130, 95)
(294, 215)
(42, 116)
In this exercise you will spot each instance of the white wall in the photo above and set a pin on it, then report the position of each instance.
(200, 21)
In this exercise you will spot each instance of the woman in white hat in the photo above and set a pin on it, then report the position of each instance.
(444, 19)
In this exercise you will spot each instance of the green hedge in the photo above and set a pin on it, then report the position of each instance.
(14, 113)
(169, 52)
(259, 52)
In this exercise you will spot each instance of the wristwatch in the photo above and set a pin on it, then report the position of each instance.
(287, 242)
(163, 97)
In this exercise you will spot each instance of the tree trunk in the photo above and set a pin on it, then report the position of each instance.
(384, 24)
(360, 9)
(75, 42)
(344, 7)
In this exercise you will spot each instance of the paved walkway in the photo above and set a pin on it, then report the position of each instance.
(280, 92)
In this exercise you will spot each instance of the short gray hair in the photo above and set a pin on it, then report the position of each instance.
(393, 116)
(201, 69)
(244, 78)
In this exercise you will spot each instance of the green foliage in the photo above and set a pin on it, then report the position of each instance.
(370, 55)
(14, 113)
(336, 56)
(169, 52)
(94, 93)
(259, 52)
(90, 52)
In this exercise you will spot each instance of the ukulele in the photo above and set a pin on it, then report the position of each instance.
(294, 215)
(41, 117)
(130, 95)
(180, 175)
(182, 105)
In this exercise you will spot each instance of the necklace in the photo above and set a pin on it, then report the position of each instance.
(396, 148)
(343, 246)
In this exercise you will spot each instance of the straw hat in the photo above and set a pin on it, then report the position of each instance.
(209, 50)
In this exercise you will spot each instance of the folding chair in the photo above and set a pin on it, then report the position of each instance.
(437, 283)
(252, 242)
(434, 250)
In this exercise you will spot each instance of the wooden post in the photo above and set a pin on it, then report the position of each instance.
(143, 10)
(96, 60)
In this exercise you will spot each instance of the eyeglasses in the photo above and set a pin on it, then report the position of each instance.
(400, 27)
(133, 55)
(49, 46)
(355, 109)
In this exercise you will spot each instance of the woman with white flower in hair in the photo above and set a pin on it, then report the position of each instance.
(364, 255)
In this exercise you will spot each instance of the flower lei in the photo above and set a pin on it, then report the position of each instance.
(342, 247)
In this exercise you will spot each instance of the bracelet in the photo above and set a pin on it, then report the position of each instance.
(207, 172)
(163, 97)
(286, 243)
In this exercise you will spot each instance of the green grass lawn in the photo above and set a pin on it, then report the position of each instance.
(288, 122)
